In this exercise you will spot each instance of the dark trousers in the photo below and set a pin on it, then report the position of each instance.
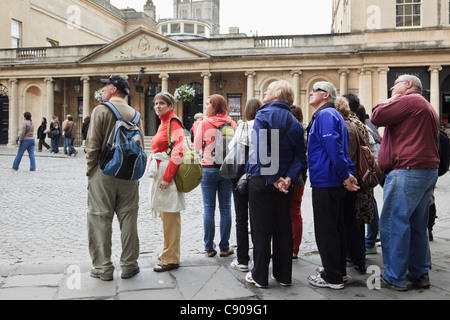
(271, 223)
(355, 240)
(42, 143)
(242, 217)
(328, 208)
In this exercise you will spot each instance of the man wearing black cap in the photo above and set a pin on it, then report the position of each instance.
(107, 194)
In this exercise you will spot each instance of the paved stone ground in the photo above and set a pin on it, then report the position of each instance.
(43, 236)
(43, 214)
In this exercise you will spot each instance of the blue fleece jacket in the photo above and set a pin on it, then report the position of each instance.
(328, 159)
(275, 158)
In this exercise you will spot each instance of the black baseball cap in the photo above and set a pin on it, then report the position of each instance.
(118, 82)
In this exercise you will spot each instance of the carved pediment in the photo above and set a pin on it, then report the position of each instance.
(143, 44)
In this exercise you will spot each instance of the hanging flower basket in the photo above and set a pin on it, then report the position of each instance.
(98, 95)
(184, 93)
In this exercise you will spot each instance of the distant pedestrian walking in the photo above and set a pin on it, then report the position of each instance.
(55, 134)
(69, 136)
(26, 143)
(42, 134)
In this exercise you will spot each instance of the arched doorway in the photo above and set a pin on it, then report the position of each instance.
(190, 109)
(4, 114)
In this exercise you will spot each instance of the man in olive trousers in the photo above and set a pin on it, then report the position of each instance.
(108, 195)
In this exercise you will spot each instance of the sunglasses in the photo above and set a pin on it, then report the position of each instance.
(318, 89)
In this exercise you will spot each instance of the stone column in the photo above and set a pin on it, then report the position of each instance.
(250, 84)
(343, 82)
(13, 113)
(164, 81)
(50, 107)
(206, 86)
(86, 96)
(365, 89)
(296, 75)
(382, 84)
(435, 89)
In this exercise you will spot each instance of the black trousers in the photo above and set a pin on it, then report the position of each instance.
(329, 227)
(242, 222)
(271, 224)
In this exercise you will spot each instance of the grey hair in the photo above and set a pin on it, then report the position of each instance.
(328, 87)
(415, 81)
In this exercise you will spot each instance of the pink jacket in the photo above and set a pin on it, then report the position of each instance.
(206, 133)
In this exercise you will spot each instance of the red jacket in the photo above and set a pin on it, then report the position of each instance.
(160, 143)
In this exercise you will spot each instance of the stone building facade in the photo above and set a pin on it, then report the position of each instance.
(90, 40)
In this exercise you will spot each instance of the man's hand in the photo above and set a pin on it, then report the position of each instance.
(394, 97)
(283, 184)
(351, 184)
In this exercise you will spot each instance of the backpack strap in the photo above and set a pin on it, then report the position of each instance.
(137, 118)
(113, 109)
(117, 114)
(169, 137)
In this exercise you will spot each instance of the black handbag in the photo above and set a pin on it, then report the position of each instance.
(242, 184)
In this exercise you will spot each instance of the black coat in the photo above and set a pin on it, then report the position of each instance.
(41, 131)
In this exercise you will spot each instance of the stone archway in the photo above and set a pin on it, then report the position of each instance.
(33, 103)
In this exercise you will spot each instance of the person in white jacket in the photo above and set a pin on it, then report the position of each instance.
(243, 135)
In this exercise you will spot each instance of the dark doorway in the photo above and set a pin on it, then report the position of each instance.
(4, 115)
(445, 98)
(151, 119)
(190, 109)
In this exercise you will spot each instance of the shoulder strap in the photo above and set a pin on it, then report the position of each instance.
(113, 109)
(136, 119)
(169, 138)
(358, 135)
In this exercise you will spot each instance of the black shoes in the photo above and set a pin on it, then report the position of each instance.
(422, 282)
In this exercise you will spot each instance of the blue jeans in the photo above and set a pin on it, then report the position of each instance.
(25, 145)
(68, 142)
(212, 184)
(372, 229)
(403, 224)
(55, 145)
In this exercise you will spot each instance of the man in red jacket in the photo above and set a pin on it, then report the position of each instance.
(409, 155)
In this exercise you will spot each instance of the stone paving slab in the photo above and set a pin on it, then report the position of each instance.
(44, 253)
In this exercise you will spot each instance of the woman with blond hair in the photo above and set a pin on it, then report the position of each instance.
(216, 109)
(277, 158)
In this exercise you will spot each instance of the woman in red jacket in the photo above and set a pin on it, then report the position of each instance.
(164, 196)
(212, 183)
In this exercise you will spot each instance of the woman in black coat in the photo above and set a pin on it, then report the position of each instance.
(42, 134)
